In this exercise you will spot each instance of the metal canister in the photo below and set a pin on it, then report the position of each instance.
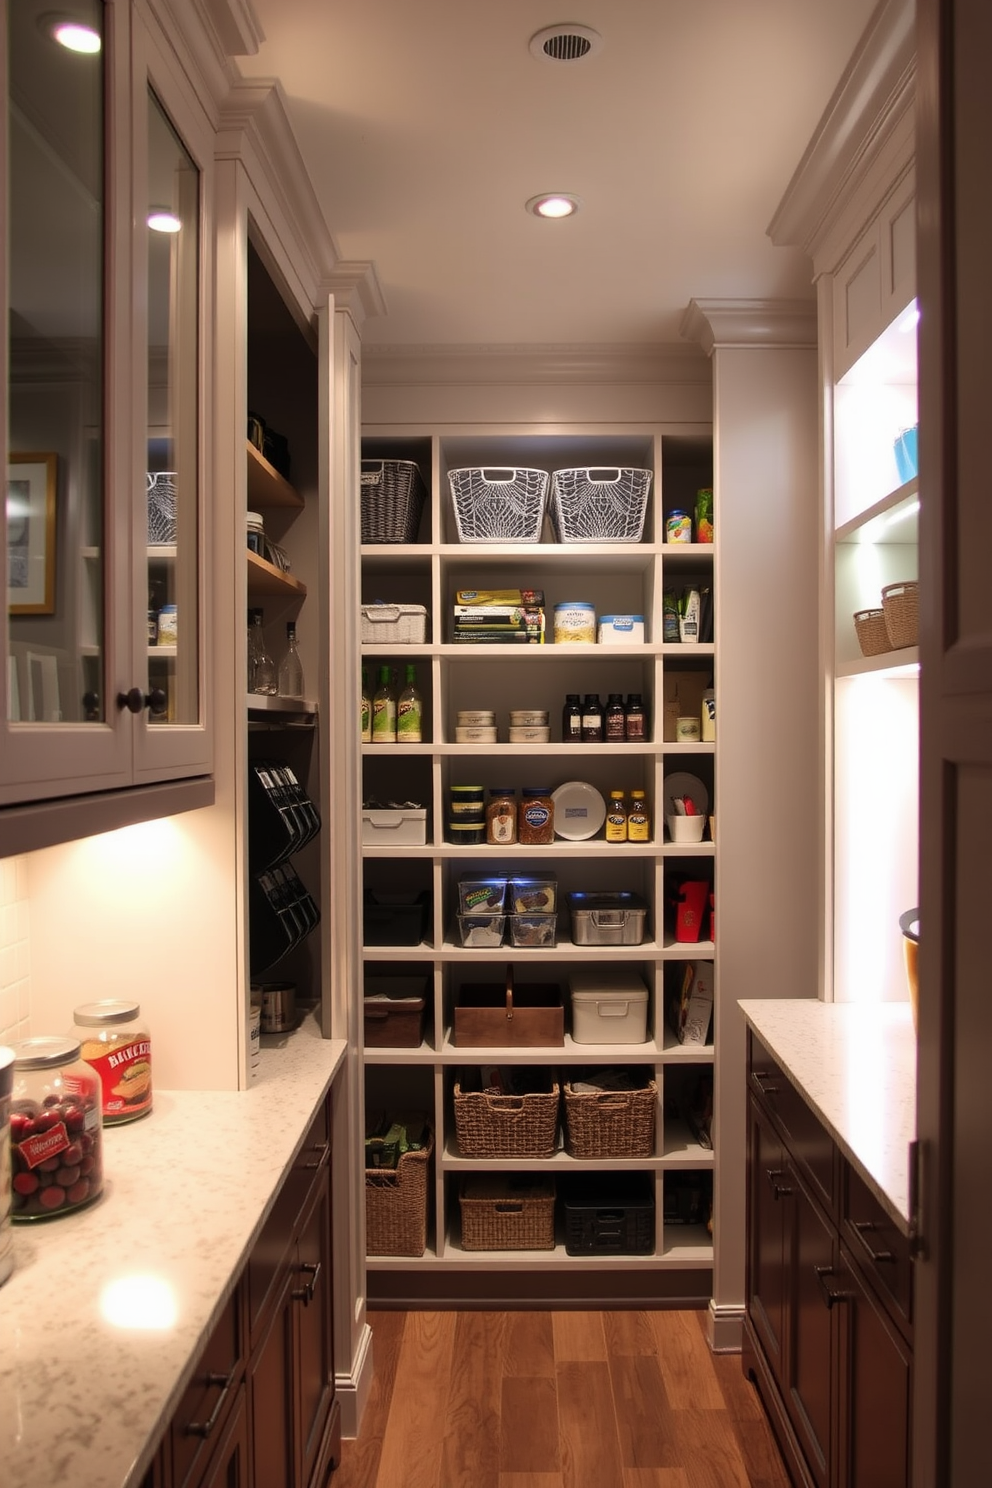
(678, 526)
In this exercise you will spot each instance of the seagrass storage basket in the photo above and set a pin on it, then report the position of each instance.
(507, 1211)
(498, 504)
(590, 505)
(393, 496)
(396, 1205)
(869, 626)
(900, 608)
(488, 1124)
(610, 1123)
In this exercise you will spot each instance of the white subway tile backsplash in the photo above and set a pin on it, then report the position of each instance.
(15, 958)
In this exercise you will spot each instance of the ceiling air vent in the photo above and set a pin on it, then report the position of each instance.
(565, 43)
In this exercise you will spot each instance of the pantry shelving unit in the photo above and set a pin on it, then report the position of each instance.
(617, 578)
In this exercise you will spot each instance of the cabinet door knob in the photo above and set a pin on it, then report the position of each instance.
(779, 1190)
(306, 1294)
(135, 700)
(829, 1297)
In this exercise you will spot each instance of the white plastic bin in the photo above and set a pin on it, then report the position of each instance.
(406, 828)
(609, 1005)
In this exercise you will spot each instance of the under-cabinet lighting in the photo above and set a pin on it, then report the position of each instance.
(73, 35)
(163, 220)
(902, 514)
(554, 204)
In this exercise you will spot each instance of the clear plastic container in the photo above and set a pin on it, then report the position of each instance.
(56, 1130)
(116, 1043)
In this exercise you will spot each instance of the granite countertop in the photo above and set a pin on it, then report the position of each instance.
(855, 1066)
(84, 1399)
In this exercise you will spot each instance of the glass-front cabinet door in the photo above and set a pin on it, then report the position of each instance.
(101, 662)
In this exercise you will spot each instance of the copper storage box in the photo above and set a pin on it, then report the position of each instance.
(509, 1014)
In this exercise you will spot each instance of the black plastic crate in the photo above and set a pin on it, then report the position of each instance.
(395, 919)
(608, 1214)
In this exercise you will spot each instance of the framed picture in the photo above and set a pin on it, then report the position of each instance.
(31, 534)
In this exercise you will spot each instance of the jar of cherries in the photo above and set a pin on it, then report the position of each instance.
(56, 1130)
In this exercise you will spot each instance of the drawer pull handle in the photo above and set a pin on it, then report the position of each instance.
(204, 1428)
(757, 1076)
(779, 1190)
(864, 1227)
(306, 1294)
(829, 1297)
(320, 1147)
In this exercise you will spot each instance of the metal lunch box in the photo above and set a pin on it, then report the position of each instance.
(607, 919)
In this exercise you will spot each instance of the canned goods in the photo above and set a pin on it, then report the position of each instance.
(168, 625)
(575, 623)
(678, 526)
(117, 1046)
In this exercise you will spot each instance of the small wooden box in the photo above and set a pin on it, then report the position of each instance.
(394, 1011)
(509, 1015)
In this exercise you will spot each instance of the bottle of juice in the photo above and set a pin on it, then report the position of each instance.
(409, 710)
(384, 709)
(366, 708)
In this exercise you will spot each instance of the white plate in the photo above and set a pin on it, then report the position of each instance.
(682, 784)
(580, 810)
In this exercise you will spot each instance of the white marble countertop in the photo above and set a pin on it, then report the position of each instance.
(855, 1066)
(83, 1400)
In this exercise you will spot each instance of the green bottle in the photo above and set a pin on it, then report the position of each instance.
(384, 710)
(409, 710)
(366, 708)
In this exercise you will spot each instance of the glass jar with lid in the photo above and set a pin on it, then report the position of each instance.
(56, 1130)
(6, 1239)
(116, 1044)
(535, 815)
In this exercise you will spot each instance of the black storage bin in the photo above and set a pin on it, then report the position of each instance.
(395, 919)
(608, 1214)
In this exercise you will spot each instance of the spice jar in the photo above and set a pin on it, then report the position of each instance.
(117, 1045)
(56, 1130)
(501, 816)
(535, 816)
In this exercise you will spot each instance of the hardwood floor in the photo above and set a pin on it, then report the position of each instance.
(557, 1400)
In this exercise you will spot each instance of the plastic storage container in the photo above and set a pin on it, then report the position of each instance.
(406, 828)
(56, 1130)
(481, 895)
(608, 1214)
(607, 919)
(609, 1005)
(395, 919)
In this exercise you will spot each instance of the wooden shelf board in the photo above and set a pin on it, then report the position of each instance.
(265, 579)
(266, 487)
(903, 663)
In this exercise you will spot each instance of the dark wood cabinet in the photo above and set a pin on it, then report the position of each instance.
(827, 1334)
(260, 1409)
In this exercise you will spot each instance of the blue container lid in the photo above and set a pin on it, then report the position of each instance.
(575, 604)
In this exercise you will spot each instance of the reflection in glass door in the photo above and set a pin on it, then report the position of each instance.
(172, 429)
(55, 214)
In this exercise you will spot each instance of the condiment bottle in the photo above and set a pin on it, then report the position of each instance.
(384, 709)
(409, 710)
(638, 818)
(571, 719)
(614, 722)
(592, 719)
(635, 721)
(616, 818)
(501, 817)
(536, 815)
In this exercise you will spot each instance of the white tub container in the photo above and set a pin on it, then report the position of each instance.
(406, 828)
(621, 630)
(609, 1005)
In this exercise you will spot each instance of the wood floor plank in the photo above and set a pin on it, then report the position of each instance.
(530, 1480)
(643, 1415)
(470, 1452)
(654, 1477)
(590, 1448)
(411, 1448)
(529, 1344)
(359, 1465)
(755, 1438)
(578, 1335)
(686, 1362)
(707, 1450)
(529, 1426)
(628, 1332)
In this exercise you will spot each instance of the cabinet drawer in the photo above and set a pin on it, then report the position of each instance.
(270, 1249)
(204, 1407)
(878, 1244)
(810, 1144)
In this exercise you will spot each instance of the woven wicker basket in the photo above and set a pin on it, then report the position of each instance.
(900, 608)
(873, 638)
(392, 501)
(610, 1123)
(396, 1205)
(508, 1212)
(491, 1125)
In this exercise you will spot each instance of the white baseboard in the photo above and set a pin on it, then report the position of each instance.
(353, 1389)
(725, 1328)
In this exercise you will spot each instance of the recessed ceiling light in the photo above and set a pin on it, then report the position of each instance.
(75, 36)
(554, 204)
(163, 220)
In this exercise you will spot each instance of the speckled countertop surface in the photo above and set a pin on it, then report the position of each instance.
(855, 1066)
(82, 1400)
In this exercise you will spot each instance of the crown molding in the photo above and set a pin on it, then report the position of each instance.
(873, 95)
(503, 363)
(236, 26)
(355, 286)
(778, 323)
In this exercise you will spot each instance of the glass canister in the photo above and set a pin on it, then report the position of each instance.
(6, 1237)
(536, 815)
(117, 1045)
(56, 1130)
(501, 816)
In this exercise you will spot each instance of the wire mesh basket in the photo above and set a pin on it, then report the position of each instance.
(589, 504)
(497, 504)
(161, 506)
(393, 496)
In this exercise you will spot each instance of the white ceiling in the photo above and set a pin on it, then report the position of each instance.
(426, 125)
